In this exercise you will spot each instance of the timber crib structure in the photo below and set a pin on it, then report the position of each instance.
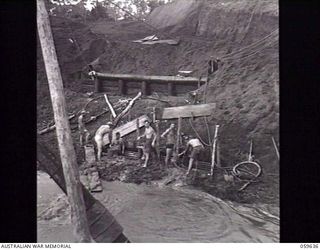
(126, 84)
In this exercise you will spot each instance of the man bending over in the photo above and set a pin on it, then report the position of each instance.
(196, 147)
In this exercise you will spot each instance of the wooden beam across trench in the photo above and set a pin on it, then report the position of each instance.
(185, 111)
(125, 79)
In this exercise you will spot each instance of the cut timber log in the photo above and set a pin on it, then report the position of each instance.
(164, 79)
(51, 128)
(126, 129)
(185, 111)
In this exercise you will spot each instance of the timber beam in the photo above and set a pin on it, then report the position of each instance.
(158, 79)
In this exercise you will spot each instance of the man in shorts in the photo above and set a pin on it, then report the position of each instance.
(151, 137)
(196, 147)
(170, 142)
(83, 132)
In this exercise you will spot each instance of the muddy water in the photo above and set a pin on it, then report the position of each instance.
(151, 214)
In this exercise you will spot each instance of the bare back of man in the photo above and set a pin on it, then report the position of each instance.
(104, 129)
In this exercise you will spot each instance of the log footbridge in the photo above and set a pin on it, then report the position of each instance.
(126, 84)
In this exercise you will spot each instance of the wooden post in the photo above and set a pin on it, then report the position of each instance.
(214, 149)
(97, 85)
(112, 111)
(170, 89)
(138, 130)
(67, 152)
(129, 116)
(122, 90)
(218, 155)
(144, 88)
(158, 139)
(138, 135)
(178, 135)
(154, 114)
(276, 148)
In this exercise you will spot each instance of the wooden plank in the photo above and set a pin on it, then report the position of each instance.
(126, 129)
(163, 79)
(185, 111)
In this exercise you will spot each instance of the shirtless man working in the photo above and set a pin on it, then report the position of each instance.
(196, 147)
(170, 141)
(82, 129)
(151, 137)
(104, 129)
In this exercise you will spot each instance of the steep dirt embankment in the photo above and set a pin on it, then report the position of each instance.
(245, 88)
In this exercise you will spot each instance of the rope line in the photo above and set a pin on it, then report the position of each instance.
(254, 52)
(250, 20)
(257, 43)
(202, 141)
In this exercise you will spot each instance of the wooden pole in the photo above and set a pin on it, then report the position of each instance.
(113, 112)
(276, 148)
(153, 114)
(138, 130)
(178, 135)
(122, 90)
(214, 149)
(170, 89)
(250, 152)
(67, 152)
(97, 85)
(144, 88)
(218, 155)
(158, 140)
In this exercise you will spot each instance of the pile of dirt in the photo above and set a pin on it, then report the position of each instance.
(130, 170)
(245, 88)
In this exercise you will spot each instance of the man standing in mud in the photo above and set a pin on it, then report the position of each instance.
(82, 129)
(196, 147)
(151, 137)
(170, 142)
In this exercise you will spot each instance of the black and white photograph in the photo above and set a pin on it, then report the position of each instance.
(158, 121)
